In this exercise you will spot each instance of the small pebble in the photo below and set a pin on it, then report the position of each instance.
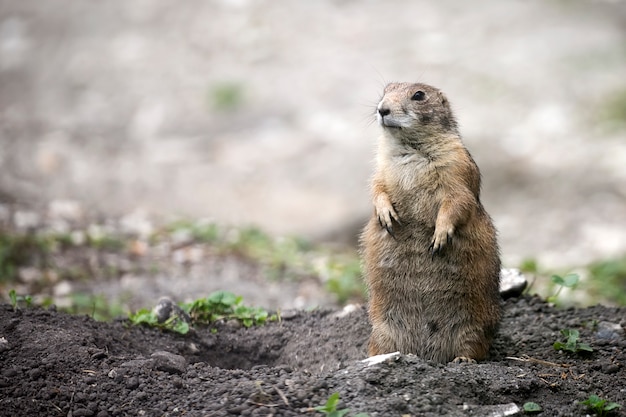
(169, 362)
(166, 308)
(132, 383)
(82, 412)
(512, 283)
(177, 382)
(609, 331)
(35, 373)
(4, 344)
(610, 369)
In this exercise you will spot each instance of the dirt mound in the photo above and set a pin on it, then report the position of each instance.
(61, 365)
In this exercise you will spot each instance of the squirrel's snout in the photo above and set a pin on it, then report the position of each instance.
(385, 118)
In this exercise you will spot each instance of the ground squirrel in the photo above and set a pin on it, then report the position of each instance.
(430, 255)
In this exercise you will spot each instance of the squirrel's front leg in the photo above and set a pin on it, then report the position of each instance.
(452, 213)
(383, 208)
(444, 230)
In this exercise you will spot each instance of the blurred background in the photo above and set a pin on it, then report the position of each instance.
(155, 148)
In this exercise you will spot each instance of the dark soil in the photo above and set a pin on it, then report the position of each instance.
(54, 364)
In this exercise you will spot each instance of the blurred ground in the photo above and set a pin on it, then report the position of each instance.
(260, 111)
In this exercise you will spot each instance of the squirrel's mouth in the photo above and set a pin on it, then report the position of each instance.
(387, 123)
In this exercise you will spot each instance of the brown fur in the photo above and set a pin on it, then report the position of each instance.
(430, 254)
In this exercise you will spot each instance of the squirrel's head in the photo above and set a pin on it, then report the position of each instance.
(414, 112)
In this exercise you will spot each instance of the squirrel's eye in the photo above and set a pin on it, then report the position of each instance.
(419, 96)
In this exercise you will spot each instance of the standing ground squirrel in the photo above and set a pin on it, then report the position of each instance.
(430, 253)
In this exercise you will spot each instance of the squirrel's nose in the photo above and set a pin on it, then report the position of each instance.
(383, 111)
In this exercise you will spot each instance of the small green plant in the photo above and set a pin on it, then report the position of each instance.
(16, 299)
(568, 281)
(225, 305)
(217, 306)
(330, 408)
(199, 231)
(572, 344)
(13, 298)
(344, 279)
(530, 408)
(226, 96)
(22, 249)
(106, 242)
(149, 318)
(600, 406)
(607, 280)
(612, 112)
(529, 265)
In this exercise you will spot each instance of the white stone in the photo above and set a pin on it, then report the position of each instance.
(373, 360)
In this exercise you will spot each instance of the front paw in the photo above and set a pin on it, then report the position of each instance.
(386, 219)
(441, 238)
(386, 214)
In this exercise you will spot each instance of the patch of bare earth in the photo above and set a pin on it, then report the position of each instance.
(61, 365)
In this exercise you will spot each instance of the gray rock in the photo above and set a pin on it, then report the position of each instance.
(169, 362)
(35, 373)
(166, 308)
(132, 383)
(512, 283)
(4, 344)
(500, 410)
(288, 314)
(609, 331)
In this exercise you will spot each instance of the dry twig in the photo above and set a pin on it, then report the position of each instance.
(526, 358)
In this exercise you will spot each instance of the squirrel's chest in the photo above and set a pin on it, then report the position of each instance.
(414, 188)
(411, 175)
